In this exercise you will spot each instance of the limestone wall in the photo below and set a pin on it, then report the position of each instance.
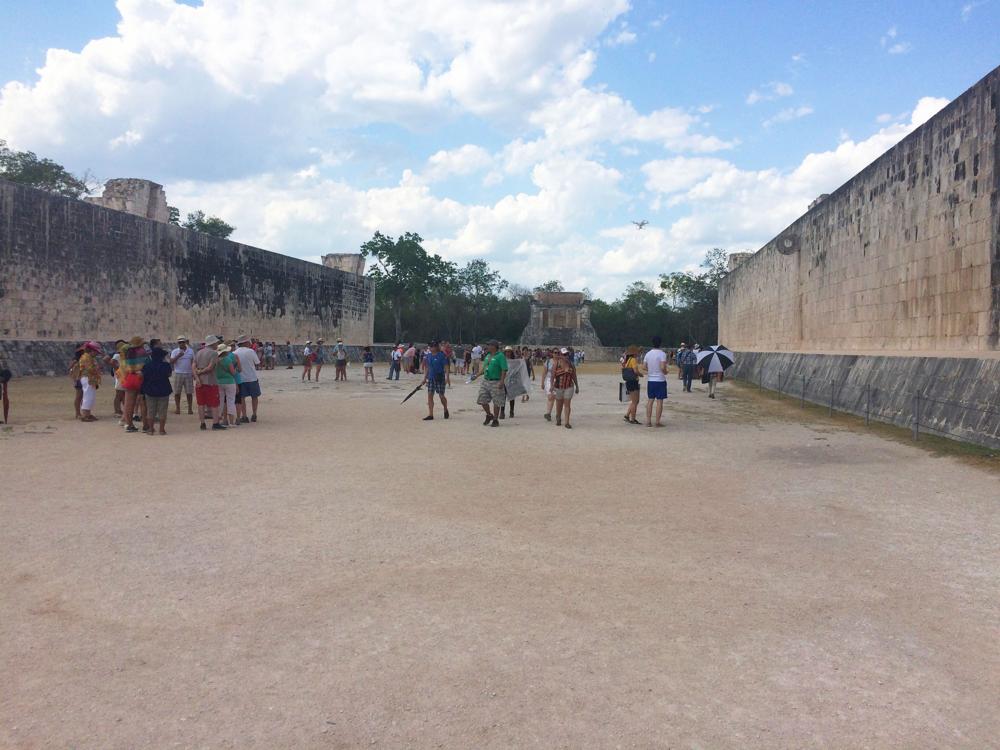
(904, 257)
(71, 270)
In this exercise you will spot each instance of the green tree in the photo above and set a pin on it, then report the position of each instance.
(211, 225)
(404, 272)
(550, 286)
(696, 297)
(26, 168)
(174, 215)
(481, 286)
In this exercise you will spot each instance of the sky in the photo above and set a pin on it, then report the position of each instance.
(528, 133)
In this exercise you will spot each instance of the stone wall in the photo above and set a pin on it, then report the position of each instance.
(904, 257)
(134, 196)
(71, 270)
(955, 397)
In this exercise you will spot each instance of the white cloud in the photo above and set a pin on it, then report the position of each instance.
(735, 208)
(466, 160)
(621, 38)
(770, 92)
(226, 76)
(651, 57)
(892, 45)
(787, 115)
(969, 8)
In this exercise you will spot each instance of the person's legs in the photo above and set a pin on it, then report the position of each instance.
(319, 369)
(119, 400)
(164, 410)
(649, 412)
(559, 411)
(88, 395)
(568, 406)
(177, 399)
(659, 412)
(711, 386)
(253, 403)
(189, 398)
(130, 399)
(78, 399)
(430, 402)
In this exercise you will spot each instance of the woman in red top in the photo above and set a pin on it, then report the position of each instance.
(564, 384)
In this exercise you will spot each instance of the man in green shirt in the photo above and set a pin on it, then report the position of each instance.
(492, 389)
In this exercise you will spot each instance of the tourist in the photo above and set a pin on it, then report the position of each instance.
(550, 397)
(133, 359)
(5, 378)
(156, 390)
(564, 384)
(90, 379)
(268, 355)
(307, 361)
(249, 382)
(289, 355)
(182, 360)
(408, 359)
(491, 390)
(395, 358)
(206, 387)
(74, 375)
(631, 375)
(437, 377)
(710, 379)
(340, 360)
(475, 361)
(113, 361)
(319, 357)
(687, 361)
(467, 360)
(368, 364)
(226, 376)
(655, 364)
(516, 383)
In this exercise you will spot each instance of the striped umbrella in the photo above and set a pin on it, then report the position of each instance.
(715, 358)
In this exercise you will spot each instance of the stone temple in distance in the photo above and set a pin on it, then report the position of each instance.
(560, 319)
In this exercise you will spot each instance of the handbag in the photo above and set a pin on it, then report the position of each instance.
(629, 374)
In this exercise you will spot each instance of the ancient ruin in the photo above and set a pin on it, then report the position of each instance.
(114, 267)
(560, 318)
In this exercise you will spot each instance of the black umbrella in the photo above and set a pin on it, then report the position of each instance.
(412, 393)
(715, 359)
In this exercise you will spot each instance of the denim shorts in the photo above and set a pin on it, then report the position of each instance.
(656, 390)
(250, 389)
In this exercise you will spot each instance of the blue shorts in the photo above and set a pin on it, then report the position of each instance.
(656, 390)
(250, 389)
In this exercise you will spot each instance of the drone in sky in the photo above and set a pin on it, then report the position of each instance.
(640, 224)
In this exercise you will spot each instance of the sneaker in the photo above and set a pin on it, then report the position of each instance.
(203, 427)
(131, 428)
(494, 423)
(218, 427)
(253, 418)
(244, 420)
(487, 420)
(548, 417)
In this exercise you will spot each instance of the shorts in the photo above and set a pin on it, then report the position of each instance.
(491, 392)
(156, 408)
(436, 386)
(183, 382)
(656, 390)
(132, 382)
(563, 394)
(631, 386)
(341, 363)
(207, 395)
(369, 365)
(250, 389)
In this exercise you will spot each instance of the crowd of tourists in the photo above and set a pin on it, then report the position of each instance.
(220, 377)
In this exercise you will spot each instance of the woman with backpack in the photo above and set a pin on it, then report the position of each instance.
(631, 375)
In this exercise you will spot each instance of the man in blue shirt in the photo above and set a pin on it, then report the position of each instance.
(687, 361)
(437, 377)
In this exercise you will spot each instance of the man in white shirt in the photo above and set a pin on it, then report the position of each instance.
(182, 360)
(249, 384)
(655, 364)
(477, 360)
(396, 357)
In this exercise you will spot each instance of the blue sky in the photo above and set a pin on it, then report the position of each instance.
(528, 133)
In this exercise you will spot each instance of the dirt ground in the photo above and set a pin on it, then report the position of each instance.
(344, 575)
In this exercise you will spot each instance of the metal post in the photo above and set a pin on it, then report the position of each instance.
(868, 404)
(831, 398)
(916, 415)
(803, 403)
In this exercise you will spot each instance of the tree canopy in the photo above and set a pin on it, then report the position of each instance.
(211, 225)
(26, 168)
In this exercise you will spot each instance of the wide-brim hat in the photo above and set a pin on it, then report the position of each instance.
(211, 340)
(182, 338)
(308, 342)
(136, 341)
(223, 349)
(632, 350)
(564, 350)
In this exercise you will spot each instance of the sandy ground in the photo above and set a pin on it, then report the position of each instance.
(343, 575)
